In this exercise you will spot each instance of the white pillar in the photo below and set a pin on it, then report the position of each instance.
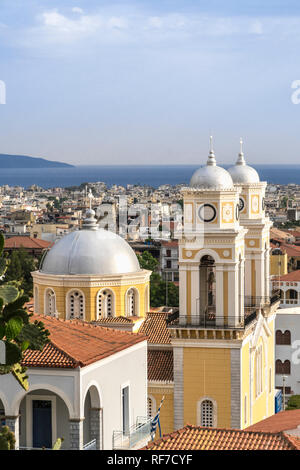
(195, 288)
(76, 434)
(219, 295)
(13, 423)
(182, 292)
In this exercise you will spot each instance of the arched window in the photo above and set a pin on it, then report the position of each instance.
(287, 367)
(207, 290)
(105, 304)
(207, 413)
(283, 338)
(50, 302)
(278, 367)
(76, 305)
(287, 337)
(36, 299)
(132, 302)
(278, 337)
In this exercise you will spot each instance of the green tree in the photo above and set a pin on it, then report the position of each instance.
(19, 268)
(158, 287)
(16, 331)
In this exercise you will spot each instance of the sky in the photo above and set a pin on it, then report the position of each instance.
(99, 82)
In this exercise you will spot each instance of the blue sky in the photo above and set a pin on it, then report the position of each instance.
(104, 82)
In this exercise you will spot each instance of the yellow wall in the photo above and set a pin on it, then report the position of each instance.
(275, 268)
(167, 409)
(263, 404)
(207, 374)
(90, 294)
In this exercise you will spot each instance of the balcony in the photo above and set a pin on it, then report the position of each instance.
(213, 322)
(136, 437)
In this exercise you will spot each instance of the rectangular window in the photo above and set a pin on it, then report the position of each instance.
(125, 409)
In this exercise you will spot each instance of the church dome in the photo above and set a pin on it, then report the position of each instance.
(91, 250)
(242, 173)
(211, 176)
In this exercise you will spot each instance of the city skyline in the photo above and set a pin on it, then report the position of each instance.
(148, 82)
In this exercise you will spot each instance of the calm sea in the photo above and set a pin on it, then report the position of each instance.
(153, 175)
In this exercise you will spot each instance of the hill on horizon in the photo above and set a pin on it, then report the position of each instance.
(23, 161)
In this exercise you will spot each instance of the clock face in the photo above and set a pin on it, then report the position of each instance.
(207, 213)
(241, 204)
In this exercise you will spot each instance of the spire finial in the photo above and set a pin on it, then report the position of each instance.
(241, 160)
(211, 157)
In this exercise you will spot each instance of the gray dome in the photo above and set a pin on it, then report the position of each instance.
(211, 176)
(242, 173)
(95, 251)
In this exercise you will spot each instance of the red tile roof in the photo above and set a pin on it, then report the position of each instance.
(198, 438)
(160, 365)
(282, 421)
(76, 344)
(292, 276)
(155, 328)
(26, 242)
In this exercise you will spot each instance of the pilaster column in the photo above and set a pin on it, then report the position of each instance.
(219, 295)
(76, 434)
(182, 292)
(13, 423)
(95, 425)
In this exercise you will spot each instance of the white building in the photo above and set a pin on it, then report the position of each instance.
(88, 386)
(287, 351)
(289, 287)
(169, 261)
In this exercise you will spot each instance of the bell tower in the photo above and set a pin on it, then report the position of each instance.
(211, 254)
(223, 352)
(257, 240)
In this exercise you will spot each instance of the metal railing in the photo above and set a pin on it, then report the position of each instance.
(215, 322)
(136, 433)
(90, 445)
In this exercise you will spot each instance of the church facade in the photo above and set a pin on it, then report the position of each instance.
(223, 340)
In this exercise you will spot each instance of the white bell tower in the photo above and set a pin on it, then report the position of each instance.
(211, 253)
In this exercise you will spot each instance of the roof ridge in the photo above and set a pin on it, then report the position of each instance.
(73, 359)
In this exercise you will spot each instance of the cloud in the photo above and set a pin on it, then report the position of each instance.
(77, 10)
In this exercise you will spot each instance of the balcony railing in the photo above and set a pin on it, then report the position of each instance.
(137, 433)
(213, 321)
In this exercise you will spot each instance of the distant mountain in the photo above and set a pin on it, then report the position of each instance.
(22, 161)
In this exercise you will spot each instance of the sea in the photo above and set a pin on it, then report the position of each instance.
(150, 175)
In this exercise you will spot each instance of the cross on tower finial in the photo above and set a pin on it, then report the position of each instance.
(241, 160)
(211, 144)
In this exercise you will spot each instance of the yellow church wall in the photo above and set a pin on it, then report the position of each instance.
(263, 404)
(167, 409)
(206, 373)
(278, 265)
(90, 294)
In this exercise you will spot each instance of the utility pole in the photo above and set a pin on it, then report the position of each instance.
(283, 387)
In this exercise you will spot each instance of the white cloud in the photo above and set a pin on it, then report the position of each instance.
(77, 10)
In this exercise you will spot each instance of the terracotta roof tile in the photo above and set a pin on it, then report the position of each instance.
(292, 276)
(119, 319)
(282, 421)
(75, 343)
(26, 242)
(160, 365)
(198, 438)
(155, 328)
